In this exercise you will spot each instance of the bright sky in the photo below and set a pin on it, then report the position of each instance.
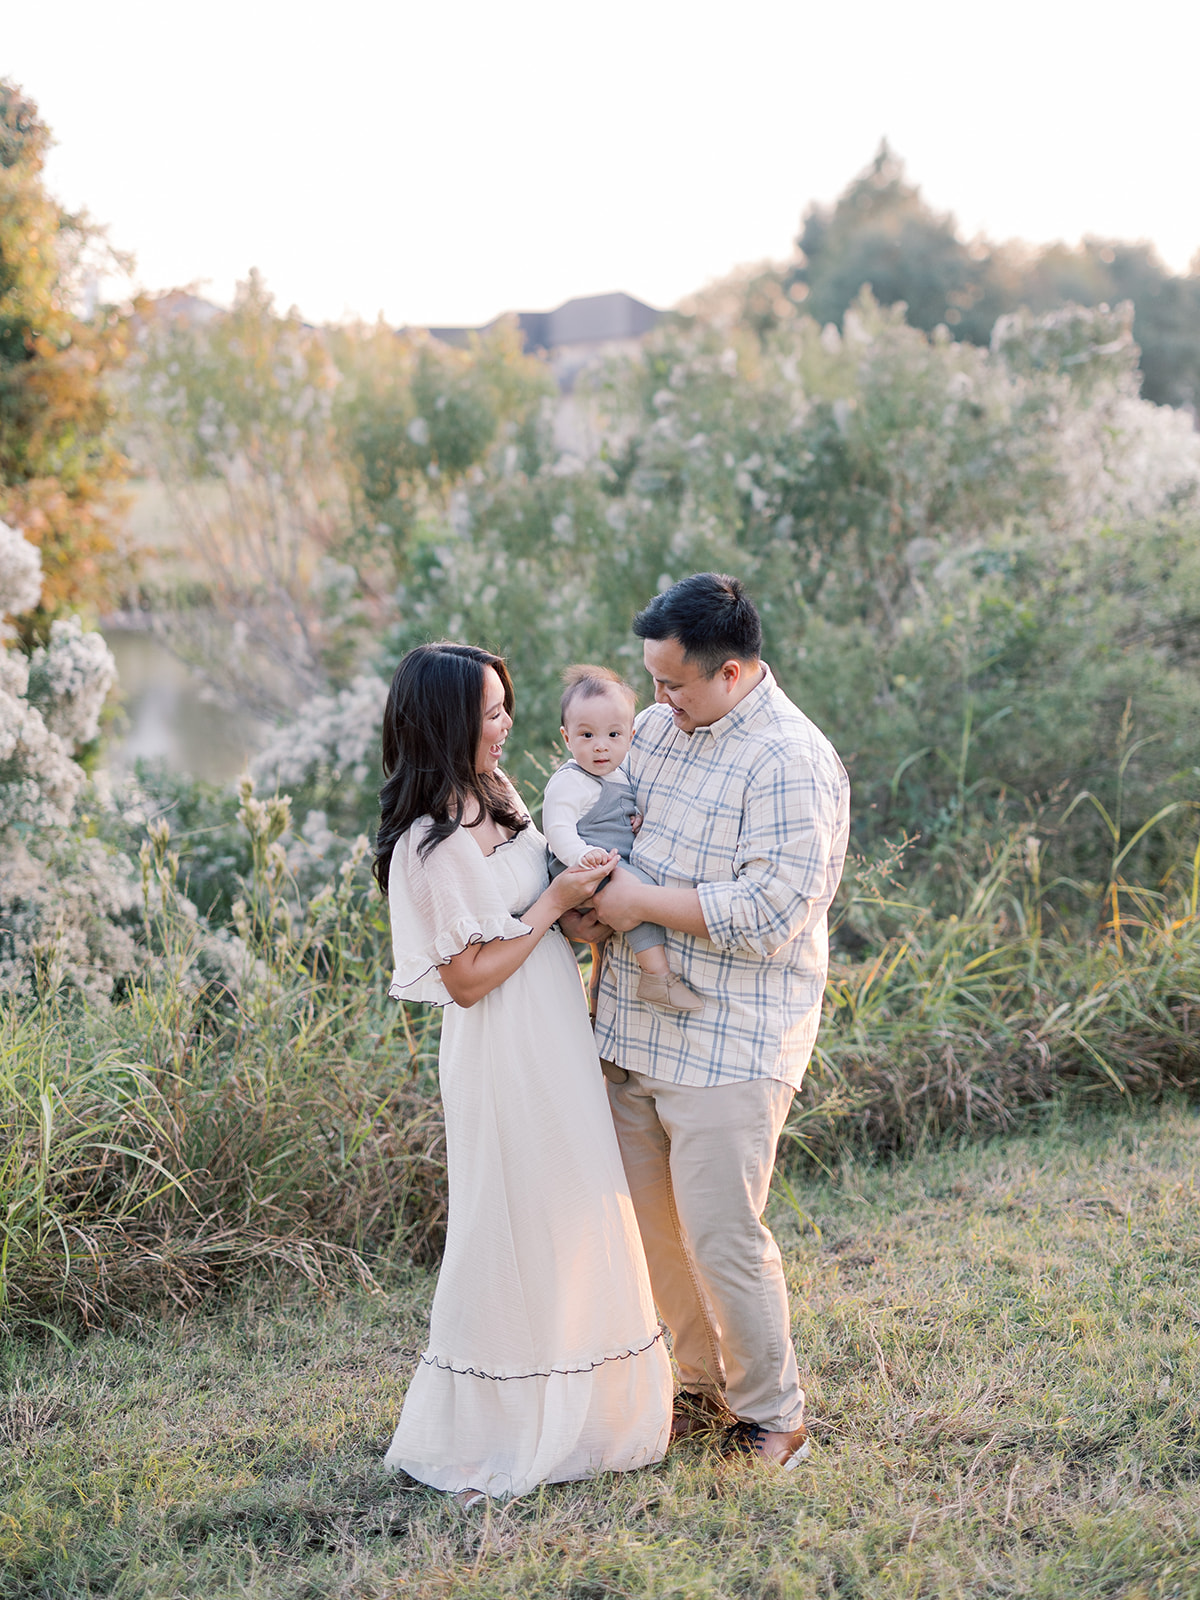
(445, 160)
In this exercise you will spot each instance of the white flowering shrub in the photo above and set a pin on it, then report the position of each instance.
(338, 735)
(1115, 455)
(70, 913)
(69, 681)
(1123, 458)
(39, 780)
(959, 555)
(20, 576)
(68, 904)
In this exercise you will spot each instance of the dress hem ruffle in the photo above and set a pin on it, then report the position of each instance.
(430, 1360)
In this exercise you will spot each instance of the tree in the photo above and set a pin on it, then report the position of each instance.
(59, 462)
(232, 411)
(881, 234)
(415, 417)
(300, 463)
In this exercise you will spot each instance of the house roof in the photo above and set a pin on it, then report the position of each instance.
(587, 319)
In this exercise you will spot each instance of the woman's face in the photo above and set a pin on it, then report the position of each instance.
(496, 723)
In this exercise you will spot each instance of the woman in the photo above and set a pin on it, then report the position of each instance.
(545, 1359)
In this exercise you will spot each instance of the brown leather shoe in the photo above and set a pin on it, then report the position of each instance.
(786, 1450)
(698, 1413)
(467, 1499)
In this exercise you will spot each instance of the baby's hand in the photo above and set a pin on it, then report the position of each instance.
(595, 857)
(635, 821)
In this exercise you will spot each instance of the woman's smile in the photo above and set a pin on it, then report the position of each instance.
(496, 720)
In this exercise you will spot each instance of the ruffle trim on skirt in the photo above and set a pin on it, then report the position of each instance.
(456, 1432)
(430, 1360)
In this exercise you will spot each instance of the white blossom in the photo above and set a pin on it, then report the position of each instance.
(20, 573)
(71, 908)
(38, 779)
(69, 681)
(67, 904)
(337, 732)
(1120, 456)
(315, 848)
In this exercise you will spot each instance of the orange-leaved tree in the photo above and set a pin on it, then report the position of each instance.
(59, 460)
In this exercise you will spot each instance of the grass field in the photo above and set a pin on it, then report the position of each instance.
(1004, 1388)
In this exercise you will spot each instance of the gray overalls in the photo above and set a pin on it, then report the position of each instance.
(607, 827)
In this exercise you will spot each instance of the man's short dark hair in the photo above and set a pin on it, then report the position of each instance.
(710, 614)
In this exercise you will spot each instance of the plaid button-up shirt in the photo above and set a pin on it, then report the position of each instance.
(754, 812)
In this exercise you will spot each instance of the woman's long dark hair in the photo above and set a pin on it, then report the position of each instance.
(432, 727)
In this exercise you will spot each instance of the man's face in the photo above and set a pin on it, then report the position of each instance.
(695, 701)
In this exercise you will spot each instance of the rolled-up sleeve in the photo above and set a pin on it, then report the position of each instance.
(794, 827)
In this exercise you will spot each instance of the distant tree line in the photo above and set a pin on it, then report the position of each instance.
(882, 233)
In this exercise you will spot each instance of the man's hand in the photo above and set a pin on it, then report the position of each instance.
(625, 901)
(619, 901)
(584, 926)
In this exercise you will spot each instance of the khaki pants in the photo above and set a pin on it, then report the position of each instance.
(699, 1165)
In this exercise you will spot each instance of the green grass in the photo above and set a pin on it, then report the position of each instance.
(1004, 1380)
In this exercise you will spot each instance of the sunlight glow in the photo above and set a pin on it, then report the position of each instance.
(445, 163)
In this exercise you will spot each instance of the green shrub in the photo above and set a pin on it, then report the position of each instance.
(282, 1116)
(979, 571)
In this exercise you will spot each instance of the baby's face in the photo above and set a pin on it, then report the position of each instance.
(599, 731)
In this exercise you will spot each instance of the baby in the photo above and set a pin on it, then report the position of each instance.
(590, 809)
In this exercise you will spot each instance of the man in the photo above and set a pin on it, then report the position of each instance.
(746, 815)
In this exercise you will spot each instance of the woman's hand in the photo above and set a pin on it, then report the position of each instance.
(584, 927)
(577, 884)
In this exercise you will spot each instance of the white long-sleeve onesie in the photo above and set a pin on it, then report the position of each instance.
(570, 795)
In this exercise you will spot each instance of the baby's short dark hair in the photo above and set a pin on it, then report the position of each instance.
(585, 682)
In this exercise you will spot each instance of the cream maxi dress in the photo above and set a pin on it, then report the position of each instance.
(545, 1360)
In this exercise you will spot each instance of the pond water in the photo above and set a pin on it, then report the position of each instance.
(168, 717)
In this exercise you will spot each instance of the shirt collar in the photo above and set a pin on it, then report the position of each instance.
(747, 710)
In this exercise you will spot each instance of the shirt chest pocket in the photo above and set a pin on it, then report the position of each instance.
(705, 833)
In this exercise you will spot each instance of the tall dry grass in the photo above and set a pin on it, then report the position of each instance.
(971, 1023)
(283, 1118)
(199, 1129)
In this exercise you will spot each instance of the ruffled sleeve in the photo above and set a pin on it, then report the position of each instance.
(439, 905)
